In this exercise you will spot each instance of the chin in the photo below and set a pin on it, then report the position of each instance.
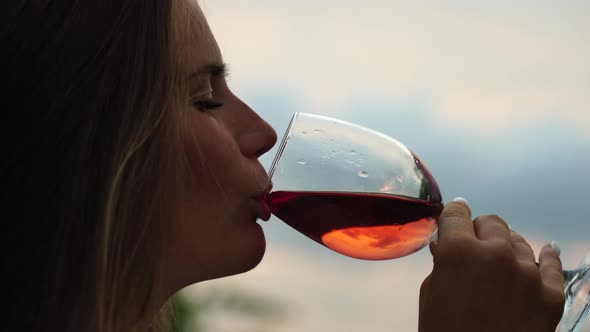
(242, 254)
(252, 252)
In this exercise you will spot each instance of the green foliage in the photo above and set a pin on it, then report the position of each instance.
(190, 309)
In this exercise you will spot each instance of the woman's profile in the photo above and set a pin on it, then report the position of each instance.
(126, 160)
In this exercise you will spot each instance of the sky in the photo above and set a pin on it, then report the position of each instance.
(493, 96)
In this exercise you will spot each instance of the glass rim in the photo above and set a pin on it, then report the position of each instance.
(282, 146)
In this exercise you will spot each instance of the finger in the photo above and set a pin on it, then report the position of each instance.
(550, 268)
(491, 227)
(432, 246)
(455, 219)
(522, 250)
(433, 243)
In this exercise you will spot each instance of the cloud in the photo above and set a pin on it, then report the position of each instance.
(324, 291)
(341, 294)
(494, 96)
(479, 65)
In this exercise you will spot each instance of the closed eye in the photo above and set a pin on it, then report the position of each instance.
(204, 79)
(206, 104)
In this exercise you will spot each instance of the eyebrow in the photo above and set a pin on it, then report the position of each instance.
(215, 69)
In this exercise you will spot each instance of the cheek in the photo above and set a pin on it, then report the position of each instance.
(197, 219)
(211, 153)
(215, 176)
(199, 224)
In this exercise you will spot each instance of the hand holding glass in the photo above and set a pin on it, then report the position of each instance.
(367, 196)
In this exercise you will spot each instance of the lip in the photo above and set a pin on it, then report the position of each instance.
(262, 208)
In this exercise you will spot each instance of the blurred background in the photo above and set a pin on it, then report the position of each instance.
(494, 96)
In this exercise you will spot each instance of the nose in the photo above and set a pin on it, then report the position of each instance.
(259, 138)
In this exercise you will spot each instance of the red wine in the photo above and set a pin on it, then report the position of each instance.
(359, 225)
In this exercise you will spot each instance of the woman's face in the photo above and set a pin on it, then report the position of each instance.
(211, 229)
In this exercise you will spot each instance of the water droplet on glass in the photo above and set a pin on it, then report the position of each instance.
(301, 162)
(363, 174)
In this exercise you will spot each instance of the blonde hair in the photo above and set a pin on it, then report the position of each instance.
(153, 158)
(98, 93)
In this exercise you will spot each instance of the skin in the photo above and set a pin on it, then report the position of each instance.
(214, 217)
(484, 276)
(210, 228)
(485, 279)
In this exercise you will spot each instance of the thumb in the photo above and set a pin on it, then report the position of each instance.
(455, 219)
(550, 267)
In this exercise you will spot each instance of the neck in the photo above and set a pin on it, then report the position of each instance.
(157, 310)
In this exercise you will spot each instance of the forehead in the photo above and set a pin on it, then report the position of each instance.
(203, 48)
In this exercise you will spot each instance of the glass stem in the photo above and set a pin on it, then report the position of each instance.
(577, 299)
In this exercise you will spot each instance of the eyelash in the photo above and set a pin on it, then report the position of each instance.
(207, 104)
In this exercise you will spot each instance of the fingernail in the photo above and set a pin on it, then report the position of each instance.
(461, 200)
(434, 238)
(555, 247)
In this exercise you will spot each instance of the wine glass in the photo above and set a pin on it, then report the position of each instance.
(366, 195)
